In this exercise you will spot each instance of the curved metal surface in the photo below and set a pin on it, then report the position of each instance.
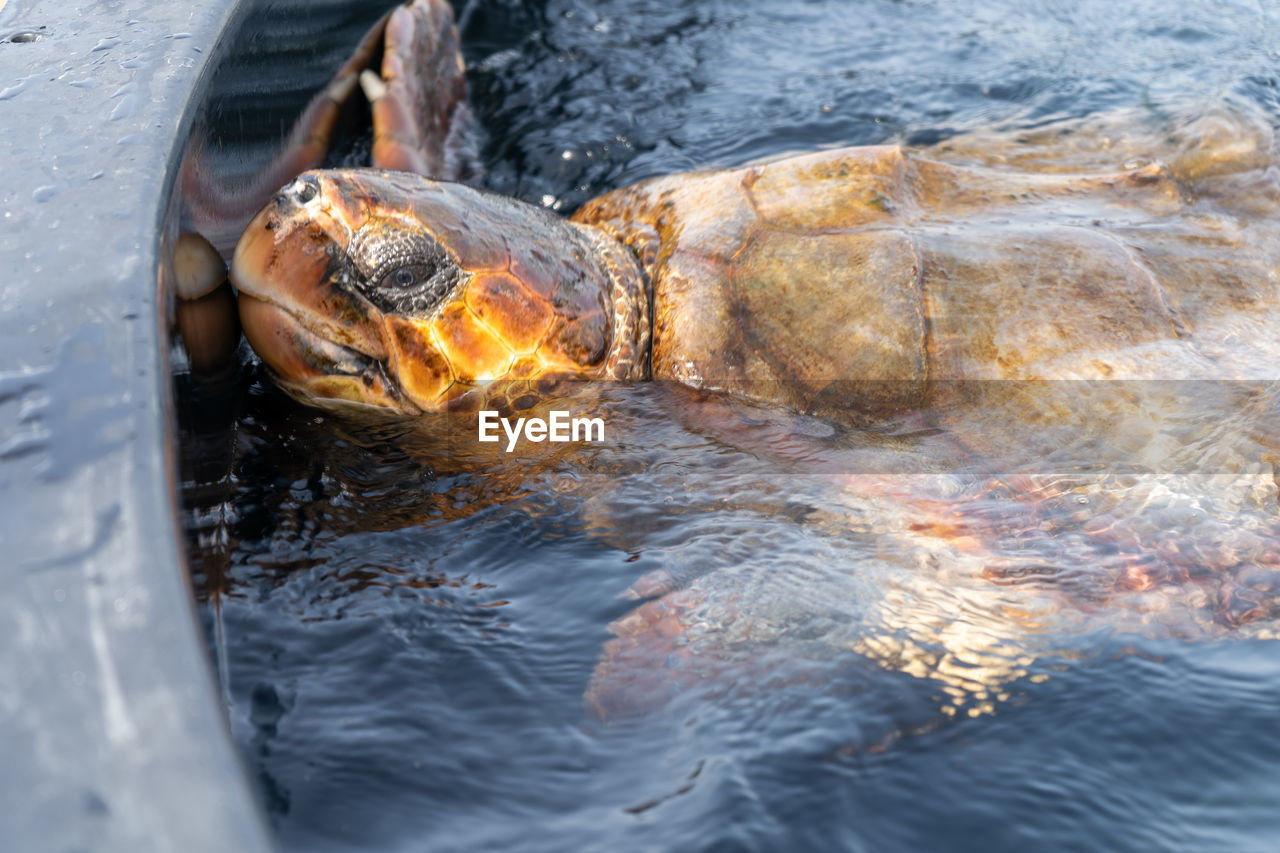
(109, 723)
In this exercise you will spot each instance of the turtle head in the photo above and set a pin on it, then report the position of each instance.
(391, 290)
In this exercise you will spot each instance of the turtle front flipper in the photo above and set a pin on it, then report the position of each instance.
(421, 120)
(218, 209)
(900, 650)
(417, 98)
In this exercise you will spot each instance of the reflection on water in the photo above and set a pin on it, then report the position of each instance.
(1035, 614)
(421, 617)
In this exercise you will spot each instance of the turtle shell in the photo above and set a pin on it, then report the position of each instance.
(861, 282)
(1074, 343)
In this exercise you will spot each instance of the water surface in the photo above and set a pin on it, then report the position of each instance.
(882, 644)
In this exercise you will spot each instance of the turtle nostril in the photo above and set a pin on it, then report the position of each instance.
(304, 190)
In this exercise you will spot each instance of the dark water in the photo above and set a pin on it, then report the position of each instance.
(414, 631)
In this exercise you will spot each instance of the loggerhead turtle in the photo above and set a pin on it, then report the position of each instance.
(1016, 296)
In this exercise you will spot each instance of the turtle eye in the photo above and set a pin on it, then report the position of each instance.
(399, 269)
(405, 278)
(413, 289)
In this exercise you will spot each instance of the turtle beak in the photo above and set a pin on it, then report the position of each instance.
(319, 339)
(287, 250)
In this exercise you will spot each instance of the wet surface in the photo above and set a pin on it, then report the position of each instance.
(728, 626)
(109, 732)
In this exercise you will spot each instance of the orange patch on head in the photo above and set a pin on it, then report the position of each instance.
(475, 353)
(527, 367)
(507, 307)
(424, 374)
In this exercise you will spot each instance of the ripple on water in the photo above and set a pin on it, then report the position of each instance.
(798, 636)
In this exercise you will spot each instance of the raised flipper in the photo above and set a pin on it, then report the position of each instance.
(421, 121)
(218, 209)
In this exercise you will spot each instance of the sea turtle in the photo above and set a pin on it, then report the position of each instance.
(1011, 298)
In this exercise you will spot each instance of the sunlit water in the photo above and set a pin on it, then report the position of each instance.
(730, 627)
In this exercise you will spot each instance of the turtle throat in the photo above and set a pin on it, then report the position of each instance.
(631, 296)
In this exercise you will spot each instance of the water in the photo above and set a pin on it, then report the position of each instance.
(882, 645)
